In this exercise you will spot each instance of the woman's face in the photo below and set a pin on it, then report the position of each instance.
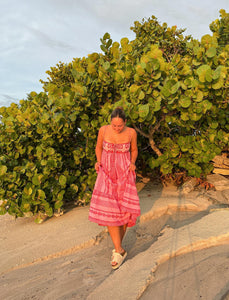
(118, 124)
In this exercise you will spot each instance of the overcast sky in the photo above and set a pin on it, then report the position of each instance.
(37, 34)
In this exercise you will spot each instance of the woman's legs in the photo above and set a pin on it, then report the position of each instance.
(123, 231)
(117, 234)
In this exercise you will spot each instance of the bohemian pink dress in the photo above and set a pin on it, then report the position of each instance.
(115, 200)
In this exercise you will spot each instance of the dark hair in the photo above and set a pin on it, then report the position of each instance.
(118, 112)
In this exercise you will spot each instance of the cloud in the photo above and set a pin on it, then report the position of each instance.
(47, 40)
(7, 99)
(37, 34)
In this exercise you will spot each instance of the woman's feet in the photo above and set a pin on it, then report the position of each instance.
(117, 258)
(118, 254)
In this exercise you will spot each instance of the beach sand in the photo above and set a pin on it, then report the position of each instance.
(171, 253)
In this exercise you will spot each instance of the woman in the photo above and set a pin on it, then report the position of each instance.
(115, 201)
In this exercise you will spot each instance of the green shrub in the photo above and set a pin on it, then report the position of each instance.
(175, 93)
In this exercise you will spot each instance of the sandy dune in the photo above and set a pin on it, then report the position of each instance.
(179, 249)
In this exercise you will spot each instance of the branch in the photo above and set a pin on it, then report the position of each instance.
(156, 127)
(141, 132)
(166, 56)
(154, 147)
(150, 137)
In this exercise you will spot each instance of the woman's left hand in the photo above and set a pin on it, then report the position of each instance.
(97, 165)
(132, 167)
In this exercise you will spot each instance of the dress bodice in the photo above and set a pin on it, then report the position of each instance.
(116, 148)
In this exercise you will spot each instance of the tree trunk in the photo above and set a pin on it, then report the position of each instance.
(154, 147)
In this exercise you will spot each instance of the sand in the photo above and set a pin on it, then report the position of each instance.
(55, 260)
(201, 274)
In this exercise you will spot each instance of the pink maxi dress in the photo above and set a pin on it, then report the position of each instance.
(115, 201)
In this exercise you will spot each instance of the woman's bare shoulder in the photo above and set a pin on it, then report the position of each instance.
(132, 131)
(102, 129)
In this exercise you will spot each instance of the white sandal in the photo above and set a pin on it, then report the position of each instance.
(112, 255)
(118, 259)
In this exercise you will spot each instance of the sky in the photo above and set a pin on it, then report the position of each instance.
(38, 34)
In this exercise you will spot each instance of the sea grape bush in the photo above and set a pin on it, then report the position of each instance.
(174, 90)
(39, 164)
(220, 28)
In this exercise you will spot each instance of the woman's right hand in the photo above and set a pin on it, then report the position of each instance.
(97, 165)
(132, 167)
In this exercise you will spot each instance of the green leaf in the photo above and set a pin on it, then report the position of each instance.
(91, 68)
(44, 162)
(26, 207)
(195, 116)
(185, 102)
(218, 84)
(156, 64)
(141, 95)
(170, 87)
(211, 52)
(49, 211)
(201, 72)
(41, 194)
(208, 75)
(61, 195)
(62, 180)
(74, 187)
(94, 123)
(103, 48)
(58, 204)
(166, 168)
(3, 211)
(207, 105)
(157, 105)
(216, 74)
(39, 152)
(133, 114)
(139, 70)
(124, 41)
(143, 110)
(106, 65)
(84, 124)
(185, 70)
(206, 39)
(199, 96)
(28, 191)
(38, 220)
(50, 151)
(214, 124)
(175, 87)
(35, 180)
(3, 170)
(134, 100)
(153, 163)
(174, 151)
(184, 116)
(134, 88)
(119, 76)
(106, 36)
(212, 137)
(52, 163)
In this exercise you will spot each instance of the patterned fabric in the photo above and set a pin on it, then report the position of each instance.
(109, 147)
(115, 200)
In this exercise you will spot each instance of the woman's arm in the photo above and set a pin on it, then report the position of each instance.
(133, 150)
(99, 148)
